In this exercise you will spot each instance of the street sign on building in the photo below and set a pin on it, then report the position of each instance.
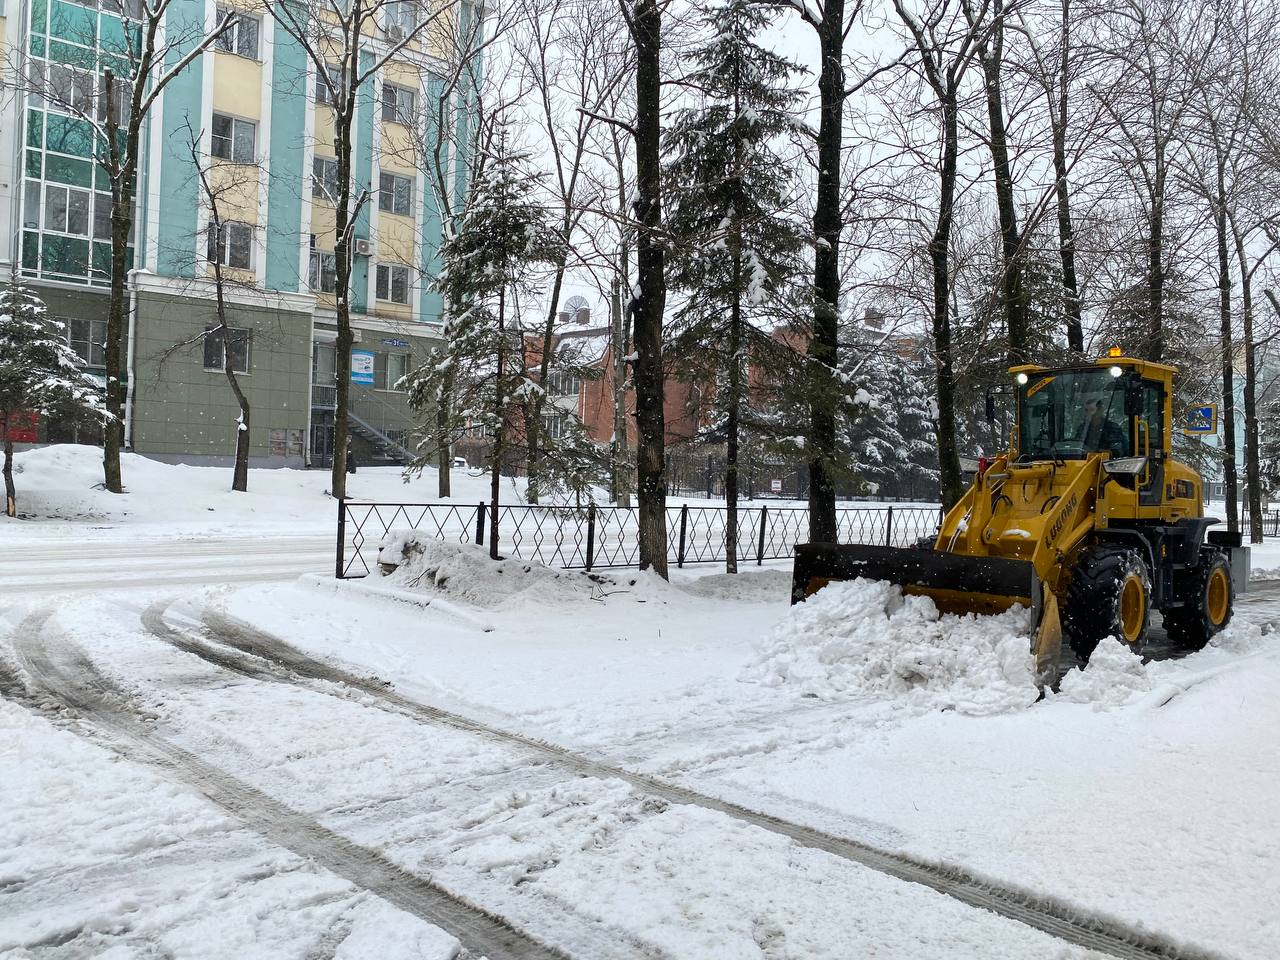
(362, 366)
(1202, 421)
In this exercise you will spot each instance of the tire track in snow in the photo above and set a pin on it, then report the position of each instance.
(269, 655)
(67, 680)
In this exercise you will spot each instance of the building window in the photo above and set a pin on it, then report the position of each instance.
(231, 245)
(87, 339)
(283, 442)
(399, 104)
(241, 36)
(395, 194)
(102, 216)
(326, 93)
(322, 274)
(66, 210)
(553, 425)
(389, 369)
(392, 283)
(239, 345)
(233, 139)
(563, 384)
(324, 178)
(399, 18)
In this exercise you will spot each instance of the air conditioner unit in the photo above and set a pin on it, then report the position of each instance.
(364, 248)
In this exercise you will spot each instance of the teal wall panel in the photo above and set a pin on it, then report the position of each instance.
(289, 105)
(363, 171)
(430, 305)
(179, 190)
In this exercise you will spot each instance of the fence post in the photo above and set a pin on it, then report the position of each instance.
(764, 521)
(480, 524)
(684, 523)
(342, 538)
(591, 534)
(888, 528)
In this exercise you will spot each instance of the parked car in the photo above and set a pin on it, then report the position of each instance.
(460, 463)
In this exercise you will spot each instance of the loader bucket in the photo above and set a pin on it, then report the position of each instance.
(955, 583)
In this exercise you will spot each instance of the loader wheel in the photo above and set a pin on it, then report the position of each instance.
(1109, 596)
(1208, 599)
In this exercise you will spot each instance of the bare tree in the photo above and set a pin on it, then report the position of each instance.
(214, 189)
(1158, 51)
(347, 44)
(575, 58)
(138, 65)
(946, 45)
(644, 22)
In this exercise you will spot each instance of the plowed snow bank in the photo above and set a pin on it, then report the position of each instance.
(464, 571)
(864, 638)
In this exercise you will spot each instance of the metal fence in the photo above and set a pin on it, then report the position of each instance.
(600, 536)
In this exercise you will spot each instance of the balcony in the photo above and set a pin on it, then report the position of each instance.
(324, 397)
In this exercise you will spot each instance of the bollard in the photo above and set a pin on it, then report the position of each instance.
(342, 538)
(591, 535)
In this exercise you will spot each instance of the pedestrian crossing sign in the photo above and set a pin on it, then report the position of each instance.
(1201, 421)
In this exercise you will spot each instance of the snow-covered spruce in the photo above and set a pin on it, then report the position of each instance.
(39, 373)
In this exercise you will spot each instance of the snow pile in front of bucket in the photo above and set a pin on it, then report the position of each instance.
(863, 638)
(1115, 675)
(466, 572)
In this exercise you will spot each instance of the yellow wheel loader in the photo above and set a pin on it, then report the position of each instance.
(1087, 520)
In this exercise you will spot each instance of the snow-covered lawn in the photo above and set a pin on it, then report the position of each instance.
(60, 494)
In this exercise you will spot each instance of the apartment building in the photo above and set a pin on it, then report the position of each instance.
(254, 110)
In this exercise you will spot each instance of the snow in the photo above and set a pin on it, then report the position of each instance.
(863, 638)
(102, 857)
(1142, 792)
(60, 494)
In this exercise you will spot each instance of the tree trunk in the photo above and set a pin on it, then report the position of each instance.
(1228, 353)
(648, 306)
(123, 169)
(499, 429)
(1252, 468)
(827, 224)
(1012, 292)
(939, 256)
(620, 476)
(344, 118)
(533, 426)
(444, 434)
(10, 492)
(731, 427)
(1155, 268)
(1066, 232)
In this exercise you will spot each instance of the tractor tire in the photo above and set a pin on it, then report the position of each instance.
(1209, 600)
(1109, 595)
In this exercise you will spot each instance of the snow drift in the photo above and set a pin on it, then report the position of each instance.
(465, 572)
(864, 638)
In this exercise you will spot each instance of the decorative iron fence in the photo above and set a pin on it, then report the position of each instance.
(601, 536)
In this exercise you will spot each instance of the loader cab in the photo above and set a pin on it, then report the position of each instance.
(1118, 407)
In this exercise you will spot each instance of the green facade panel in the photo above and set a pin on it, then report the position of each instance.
(180, 200)
(289, 105)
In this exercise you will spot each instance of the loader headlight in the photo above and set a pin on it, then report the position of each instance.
(1116, 371)
(1125, 466)
(1022, 379)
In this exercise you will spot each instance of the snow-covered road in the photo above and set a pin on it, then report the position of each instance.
(37, 567)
